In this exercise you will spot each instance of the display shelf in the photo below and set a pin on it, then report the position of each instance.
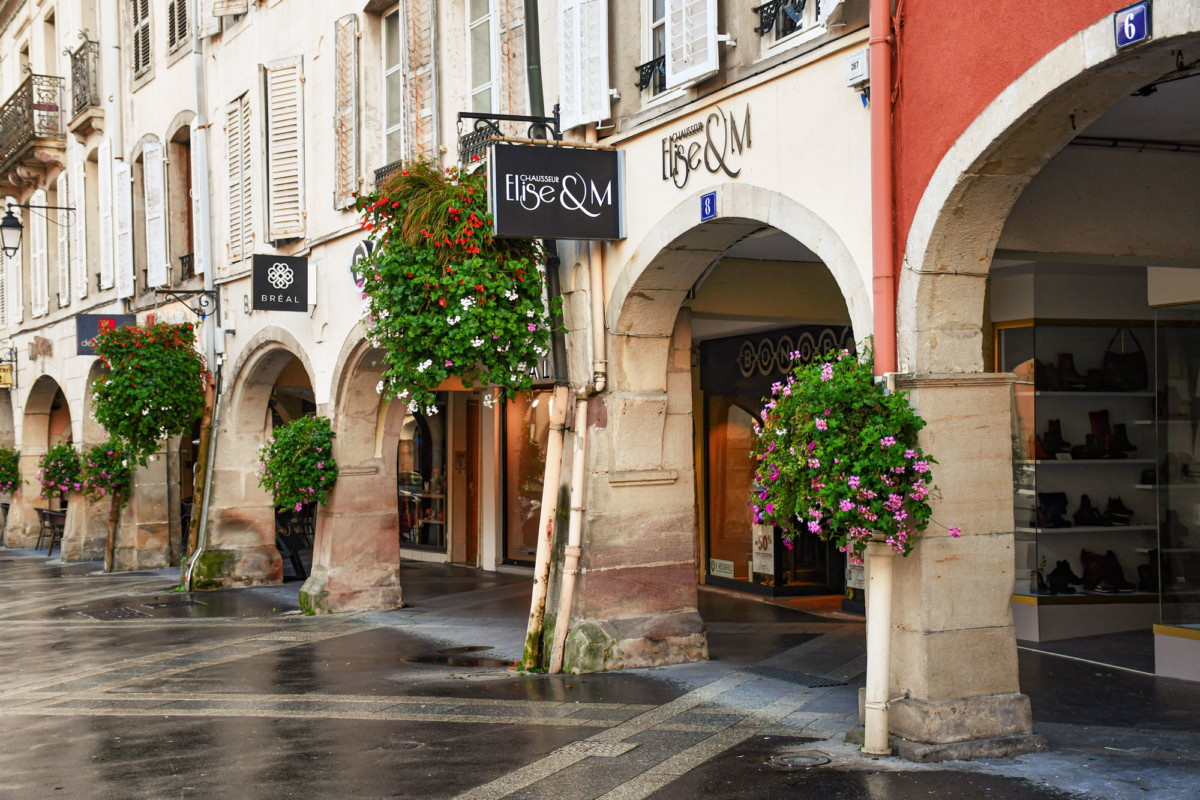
(1045, 462)
(1083, 598)
(1088, 529)
(1168, 421)
(1048, 393)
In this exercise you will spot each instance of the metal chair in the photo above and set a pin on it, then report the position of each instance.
(45, 529)
(57, 520)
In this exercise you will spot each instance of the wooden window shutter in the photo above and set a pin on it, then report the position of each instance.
(285, 149)
(177, 22)
(39, 235)
(154, 180)
(123, 213)
(419, 118)
(209, 23)
(172, 16)
(691, 41)
(568, 64)
(239, 198)
(197, 157)
(583, 62)
(63, 267)
(230, 8)
(104, 169)
(79, 263)
(345, 111)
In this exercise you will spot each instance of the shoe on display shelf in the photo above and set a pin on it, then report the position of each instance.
(1052, 510)
(1117, 512)
(1087, 515)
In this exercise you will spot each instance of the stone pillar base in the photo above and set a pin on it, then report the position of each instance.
(318, 597)
(989, 726)
(654, 640)
(235, 568)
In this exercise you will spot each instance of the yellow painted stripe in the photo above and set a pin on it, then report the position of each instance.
(1180, 633)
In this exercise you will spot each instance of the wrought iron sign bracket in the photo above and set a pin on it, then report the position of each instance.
(210, 300)
(484, 126)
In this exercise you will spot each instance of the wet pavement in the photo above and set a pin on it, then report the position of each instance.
(115, 687)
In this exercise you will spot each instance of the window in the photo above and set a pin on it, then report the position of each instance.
(238, 197)
(141, 37)
(154, 192)
(657, 43)
(583, 61)
(791, 20)
(683, 33)
(345, 111)
(393, 89)
(177, 24)
(480, 55)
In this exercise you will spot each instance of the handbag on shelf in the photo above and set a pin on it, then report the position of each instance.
(1125, 371)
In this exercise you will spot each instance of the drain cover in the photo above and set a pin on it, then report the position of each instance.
(174, 604)
(597, 749)
(108, 614)
(796, 759)
(801, 678)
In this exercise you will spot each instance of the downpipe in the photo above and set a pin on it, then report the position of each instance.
(879, 648)
(882, 229)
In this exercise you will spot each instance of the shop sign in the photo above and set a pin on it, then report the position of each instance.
(6, 376)
(362, 251)
(280, 283)
(763, 549)
(715, 145)
(856, 576)
(1132, 24)
(542, 371)
(537, 192)
(720, 568)
(89, 326)
(751, 363)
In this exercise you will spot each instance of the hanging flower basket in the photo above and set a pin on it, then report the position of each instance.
(10, 470)
(58, 471)
(838, 458)
(154, 388)
(297, 464)
(106, 473)
(443, 298)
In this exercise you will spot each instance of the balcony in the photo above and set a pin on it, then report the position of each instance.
(85, 88)
(187, 267)
(32, 136)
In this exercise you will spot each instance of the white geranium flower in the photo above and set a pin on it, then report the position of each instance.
(379, 388)
(466, 303)
(453, 320)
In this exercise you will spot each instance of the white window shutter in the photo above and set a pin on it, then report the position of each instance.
(4, 267)
(209, 23)
(691, 41)
(63, 268)
(197, 157)
(39, 268)
(831, 12)
(230, 8)
(154, 180)
(123, 212)
(345, 111)
(285, 149)
(79, 265)
(239, 208)
(594, 102)
(104, 169)
(568, 64)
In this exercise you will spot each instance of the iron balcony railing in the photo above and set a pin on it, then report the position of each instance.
(34, 111)
(85, 77)
(652, 73)
(187, 266)
(385, 172)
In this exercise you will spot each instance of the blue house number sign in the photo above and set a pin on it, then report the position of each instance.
(1132, 24)
(708, 206)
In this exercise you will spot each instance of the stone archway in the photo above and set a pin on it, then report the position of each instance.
(356, 559)
(952, 596)
(42, 425)
(636, 596)
(240, 548)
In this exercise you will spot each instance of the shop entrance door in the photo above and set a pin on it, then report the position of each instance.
(472, 556)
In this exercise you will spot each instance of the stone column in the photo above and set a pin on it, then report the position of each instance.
(144, 535)
(23, 522)
(86, 531)
(635, 599)
(954, 651)
(356, 559)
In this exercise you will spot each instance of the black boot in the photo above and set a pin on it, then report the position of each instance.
(1118, 513)
(1067, 375)
(1061, 578)
(1122, 438)
(1052, 509)
(1088, 514)
(1053, 441)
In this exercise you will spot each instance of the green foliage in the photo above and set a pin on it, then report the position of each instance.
(58, 470)
(107, 473)
(154, 388)
(838, 458)
(442, 297)
(10, 470)
(297, 463)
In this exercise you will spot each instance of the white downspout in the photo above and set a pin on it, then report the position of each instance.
(880, 559)
(110, 29)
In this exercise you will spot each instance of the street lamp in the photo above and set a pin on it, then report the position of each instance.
(11, 227)
(10, 234)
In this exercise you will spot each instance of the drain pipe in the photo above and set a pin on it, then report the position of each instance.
(574, 535)
(882, 229)
(879, 648)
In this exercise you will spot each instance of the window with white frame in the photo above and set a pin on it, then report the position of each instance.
(178, 32)
(142, 48)
(481, 55)
(782, 23)
(656, 43)
(683, 34)
(393, 88)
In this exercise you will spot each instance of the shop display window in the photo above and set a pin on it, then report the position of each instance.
(421, 478)
(526, 433)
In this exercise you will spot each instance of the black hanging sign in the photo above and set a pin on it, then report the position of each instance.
(280, 283)
(89, 326)
(537, 192)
